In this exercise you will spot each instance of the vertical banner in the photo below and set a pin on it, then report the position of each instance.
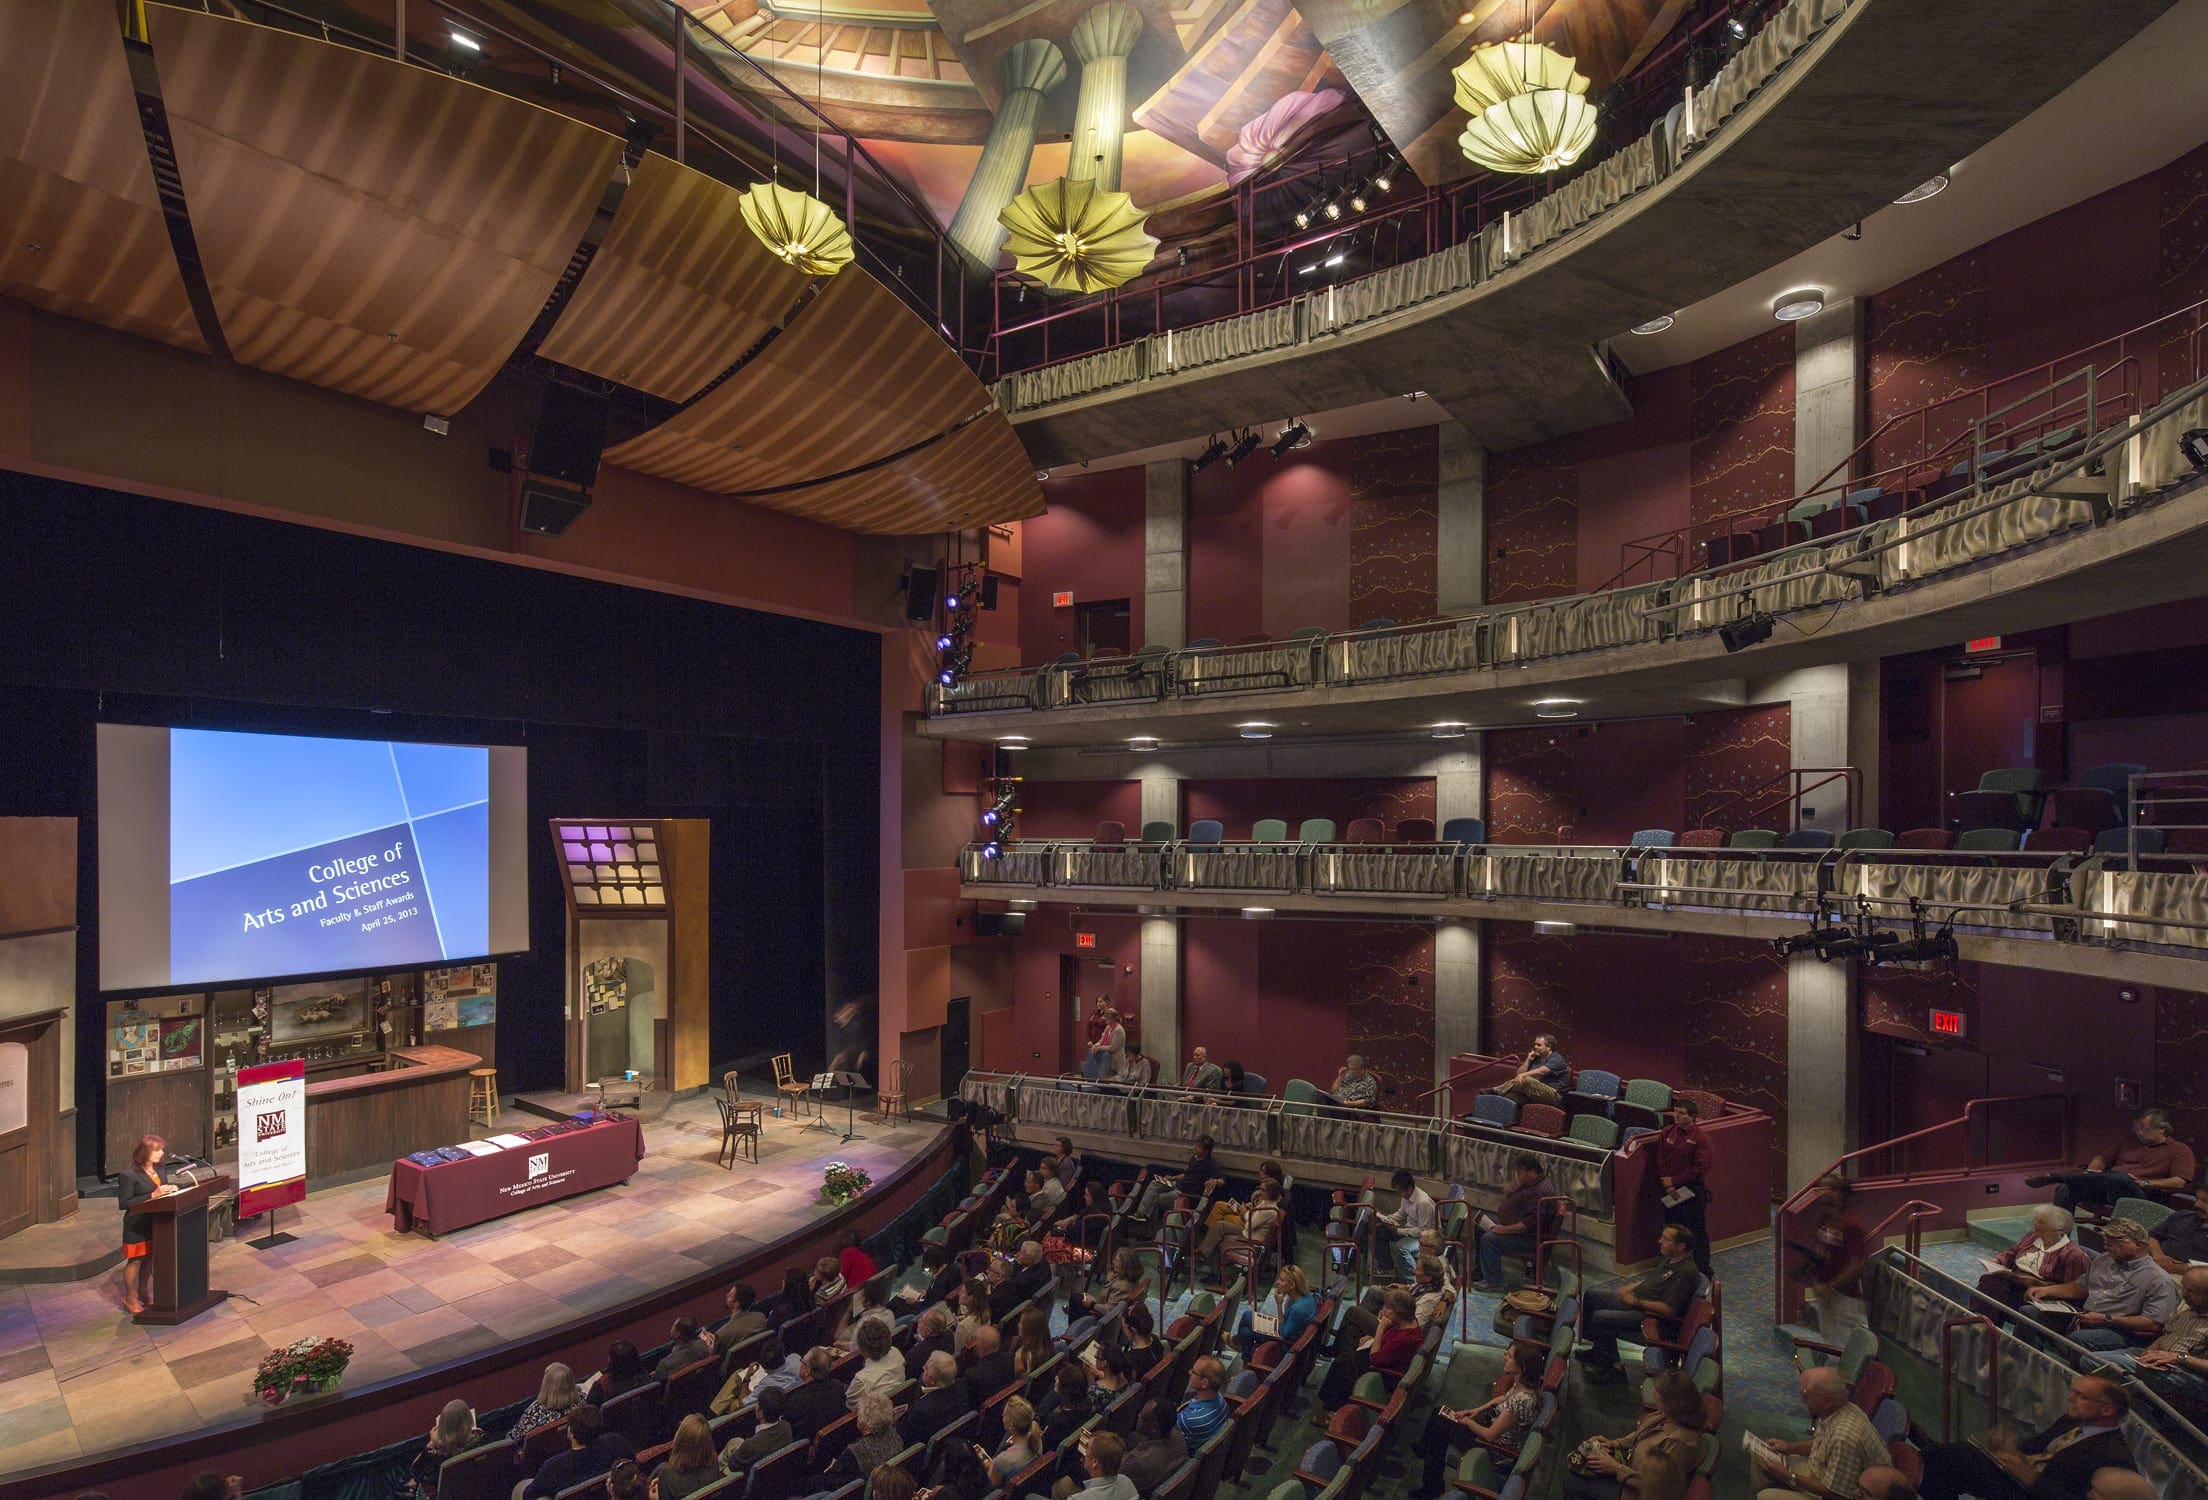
(272, 1136)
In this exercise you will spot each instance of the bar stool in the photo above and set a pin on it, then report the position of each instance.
(483, 1095)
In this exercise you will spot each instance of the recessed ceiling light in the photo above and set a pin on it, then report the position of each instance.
(1931, 187)
(1555, 929)
(1656, 324)
(1015, 741)
(1143, 742)
(1255, 730)
(1023, 906)
(1450, 729)
(462, 39)
(1556, 708)
(1257, 911)
(1805, 302)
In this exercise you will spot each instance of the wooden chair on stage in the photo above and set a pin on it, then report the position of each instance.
(892, 1103)
(740, 1124)
(788, 1084)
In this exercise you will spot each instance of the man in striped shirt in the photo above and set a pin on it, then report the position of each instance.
(1205, 1410)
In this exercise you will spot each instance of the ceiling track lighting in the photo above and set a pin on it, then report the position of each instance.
(1213, 452)
(1243, 448)
(1297, 434)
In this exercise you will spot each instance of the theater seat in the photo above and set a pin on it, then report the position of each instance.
(2114, 779)
(2090, 808)
(1365, 831)
(1593, 1130)
(1541, 1119)
(1110, 834)
(1753, 838)
(1654, 838)
(1206, 831)
(1988, 840)
(1269, 831)
(1924, 838)
(1702, 838)
(1415, 831)
(1465, 833)
(1158, 832)
(2053, 840)
(1986, 808)
(2026, 784)
(1493, 1109)
(1866, 838)
(1807, 838)
(1315, 831)
(2119, 840)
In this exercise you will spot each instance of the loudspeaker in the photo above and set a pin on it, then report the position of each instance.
(999, 923)
(988, 591)
(920, 588)
(570, 434)
(549, 509)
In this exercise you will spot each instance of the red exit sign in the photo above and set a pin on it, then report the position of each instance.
(1947, 1023)
(1983, 643)
(1062, 599)
(1084, 940)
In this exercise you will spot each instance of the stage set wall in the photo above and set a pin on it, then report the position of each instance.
(631, 703)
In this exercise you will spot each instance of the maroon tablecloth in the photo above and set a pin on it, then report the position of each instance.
(459, 1193)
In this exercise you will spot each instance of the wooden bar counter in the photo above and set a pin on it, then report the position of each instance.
(418, 1101)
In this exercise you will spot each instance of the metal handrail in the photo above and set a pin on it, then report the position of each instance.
(1848, 775)
(1443, 1088)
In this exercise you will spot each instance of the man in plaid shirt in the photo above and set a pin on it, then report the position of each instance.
(1842, 1444)
(2176, 1363)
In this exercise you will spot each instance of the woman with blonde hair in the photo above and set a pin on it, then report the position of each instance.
(1023, 1440)
(691, 1464)
(453, 1433)
(556, 1397)
(1033, 1346)
(1652, 1462)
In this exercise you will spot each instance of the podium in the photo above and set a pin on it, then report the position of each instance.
(179, 1251)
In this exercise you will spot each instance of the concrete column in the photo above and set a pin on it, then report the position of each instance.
(1161, 994)
(1101, 40)
(1164, 551)
(1459, 792)
(1161, 798)
(1828, 390)
(1460, 556)
(1820, 720)
(1866, 733)
(1820, 1065)
(1031, 70)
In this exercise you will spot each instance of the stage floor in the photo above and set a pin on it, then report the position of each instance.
(77, 1376)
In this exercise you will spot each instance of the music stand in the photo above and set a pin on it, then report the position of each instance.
(850, 1083)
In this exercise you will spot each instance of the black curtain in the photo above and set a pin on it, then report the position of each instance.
(632, 703)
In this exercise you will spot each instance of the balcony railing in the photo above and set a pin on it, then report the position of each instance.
(2110, 462)
(2106, 900)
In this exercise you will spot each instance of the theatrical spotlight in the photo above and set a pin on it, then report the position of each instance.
(1822, 941)
(1893, 948)
(1294, 435)
(1383, 175)
(2194, 445)
(1242, 449)
(1746, 631)
(1213, 452)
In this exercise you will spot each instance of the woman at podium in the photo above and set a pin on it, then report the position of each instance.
(140, 1183)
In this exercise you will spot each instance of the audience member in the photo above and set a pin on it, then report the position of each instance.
(453, 1433)
(1543, 1079)
(2124, 1295)
(1002, 1299)
(942, 1400)
(1234, 1084)
(877, 1443)
(2057, 1464)
(2121, 1484)
(973, 1314)
(1683, 1166)
(624, 1372)
(1841, 1445)
(772, 1435)
(884, 1369)
(1095, 1203)
(1120, 1284)
(2174, 1363)
(1284, 1315)
(556, 1397)
(1515, 1226)
(1499, 1424)
(991, 1370)
(1069, 1160)
(686, 1345)
(2147, 1161)
(1832, 1259)
(207, 1485)
(2182, 1238)
(1395, 1337)
(1663, 1294)
(1031, 1345)
(1205, 1410)
(1114, 1372)
(1200, 1173)
(1102, 1456)
(1139, 1332)
(744, 1320)
(793, 1301)
(1202, 1075)
(857, 1266)
(1023, 1439)
(1655, 1460)
(1050, 1192)
(1353, 1087)
(1882, 1482)
(2044, 1257)
(1158, 1451)
(960, 1474)
(1107, 1043)
(886, 1483)
(931, 1335)
(691, 1462)
(1032, 1276)
(1066, 1407)
(818, 1399)
(625, 1481)
(1233, 1212)
(826, 1283)
(590, 1451)
(1256, 1221)
(1413, 1214)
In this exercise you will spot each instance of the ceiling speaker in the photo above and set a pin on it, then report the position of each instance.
(549, 509)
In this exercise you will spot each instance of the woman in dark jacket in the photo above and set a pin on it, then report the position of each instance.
(140, 1181)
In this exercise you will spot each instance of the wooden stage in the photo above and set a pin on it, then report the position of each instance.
(77, 1377)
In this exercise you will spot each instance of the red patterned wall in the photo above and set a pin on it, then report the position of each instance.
(1696, 1012)
(1741, 428)
(1733, 760)
(1924, 340)
(1240, 803)
(1394, 524)
(2181, 1062)
(2183, 249)
(1532, 507)
(1530, 793)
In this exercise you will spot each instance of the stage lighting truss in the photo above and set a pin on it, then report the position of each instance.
(954, 648)
(1000, 820)
(1833, 942)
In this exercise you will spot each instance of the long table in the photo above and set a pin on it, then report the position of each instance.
(455, 1194)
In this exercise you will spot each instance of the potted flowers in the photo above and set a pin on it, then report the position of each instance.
(308, 1367)
(842, 1182)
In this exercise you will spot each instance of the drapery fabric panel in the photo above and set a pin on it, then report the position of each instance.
(2163, 894)
(1228, 338)
(975, 695)
(1242, 669)
(1015, 864)
(1231, 1127)
(1238, 867)
(1943, 887)
(1367, 1145)
(1743, 884)
(1383, 869)
(1131, 865)
(1408, 653)
(1546, 876)
(1115, 681)
(998, 1093)
(1074, 377)
(1484, 1159)
(1384, 292)
(1070, 1108)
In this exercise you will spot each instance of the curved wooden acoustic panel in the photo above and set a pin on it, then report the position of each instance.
(679, 289)
(84, 234)
(977, 476)
(855, 378)
(365, 225)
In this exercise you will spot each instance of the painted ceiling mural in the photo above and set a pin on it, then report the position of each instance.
(1171, 101)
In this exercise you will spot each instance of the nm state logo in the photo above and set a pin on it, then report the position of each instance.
(540, 1164)
(268, 1124)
